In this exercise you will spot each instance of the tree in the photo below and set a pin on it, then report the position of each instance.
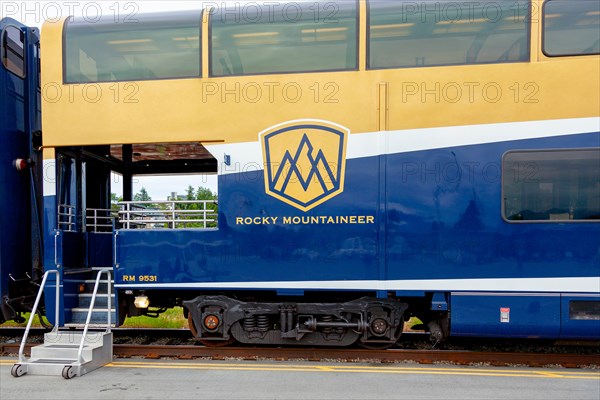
(142, 195)
(190, 193)
(205, 194)
(114, 200)
(201, 194)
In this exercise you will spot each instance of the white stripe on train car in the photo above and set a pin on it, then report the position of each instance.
(247, 156)
(548, 285)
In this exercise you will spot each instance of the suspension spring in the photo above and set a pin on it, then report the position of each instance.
(263, 323)
(249, 323)
(327, 318)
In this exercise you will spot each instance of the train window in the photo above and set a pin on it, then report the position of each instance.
(586, 310)
(551, 185)
(153, 46)
(571, 27)
(293, 37)
(431, 33)
(13, 50)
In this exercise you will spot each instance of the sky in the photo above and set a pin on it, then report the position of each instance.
(161, 187)
(34, 13)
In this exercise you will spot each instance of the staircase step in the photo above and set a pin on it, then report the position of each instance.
(61, 352)
(47, 366)
(88, 286)
(101, 300)
(99, 315)
(52, 361)
(73, 337)
(73, 325)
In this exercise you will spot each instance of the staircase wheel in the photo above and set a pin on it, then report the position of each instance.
(68, 372)
(17, 370)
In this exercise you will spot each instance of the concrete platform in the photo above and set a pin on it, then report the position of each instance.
(197, 379)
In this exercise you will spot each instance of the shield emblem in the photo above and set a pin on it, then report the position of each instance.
(305, 162)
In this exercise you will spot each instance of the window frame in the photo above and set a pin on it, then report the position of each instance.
(527, 19)
(4, 49)
(540, 221)
(64, 59)
(543, 41)
(357, 58)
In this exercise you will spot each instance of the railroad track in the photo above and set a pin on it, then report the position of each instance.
(346, 355)
(573, 359)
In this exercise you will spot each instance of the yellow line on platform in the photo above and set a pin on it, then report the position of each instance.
(361, 369)
(271, 367)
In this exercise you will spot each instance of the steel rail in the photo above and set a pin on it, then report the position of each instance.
(461, 357)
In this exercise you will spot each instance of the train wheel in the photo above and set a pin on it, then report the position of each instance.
(68, 372)
(383, 345)
(207, 343)
(17, 370)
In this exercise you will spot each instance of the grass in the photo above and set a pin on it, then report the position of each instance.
(36, 322)
(414, 321)
(172, 319)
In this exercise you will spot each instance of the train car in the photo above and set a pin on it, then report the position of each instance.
(376, 161)
(20, 172)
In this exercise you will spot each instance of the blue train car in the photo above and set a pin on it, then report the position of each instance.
(464, 237)
(20, 179)
(373, 164)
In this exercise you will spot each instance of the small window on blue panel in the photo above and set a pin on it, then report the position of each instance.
(584, 310)
(551, 185)
(13, 50)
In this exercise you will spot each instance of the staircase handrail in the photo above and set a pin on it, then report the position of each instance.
(91, 308)
(34, 310)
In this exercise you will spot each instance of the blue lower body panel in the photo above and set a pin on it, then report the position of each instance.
(519, 315)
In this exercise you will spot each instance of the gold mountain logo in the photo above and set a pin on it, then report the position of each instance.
(305, 162)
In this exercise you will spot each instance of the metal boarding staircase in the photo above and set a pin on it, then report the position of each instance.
(70, 352)
(100, 309)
